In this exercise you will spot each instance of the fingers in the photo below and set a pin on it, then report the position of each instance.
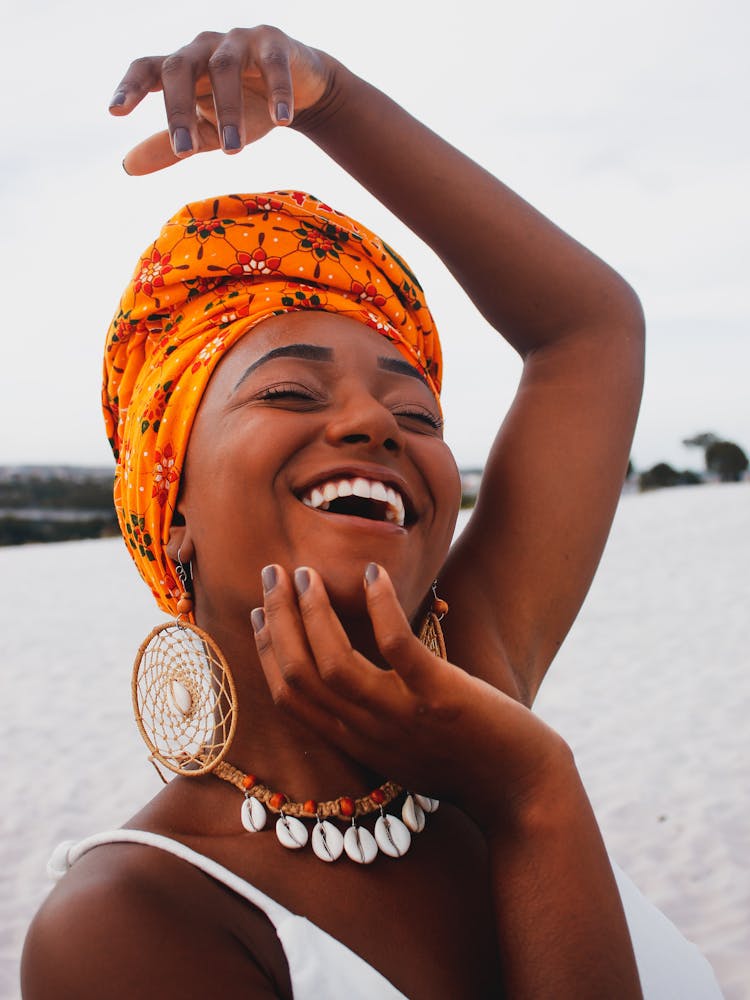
(401, 649)
(143, 77)
(289, 662)
(214, 75)
(157, 152)
(272, 60)
(225, 68)
(179, 75)
(341, 668)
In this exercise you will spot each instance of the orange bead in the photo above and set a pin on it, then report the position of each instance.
(377, 796)
(347, 806)
(277, 800)
(311, 806)
(439, 606)
(185, 605)
(248, 781)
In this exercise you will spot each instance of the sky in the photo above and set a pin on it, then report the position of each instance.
(624, 123)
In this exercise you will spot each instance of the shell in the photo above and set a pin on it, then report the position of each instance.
(429, 805)
(360, 845)
(392, 836)
(327, 841)
(253, 814)
(292, 832)
(180, 697)
(413, 815)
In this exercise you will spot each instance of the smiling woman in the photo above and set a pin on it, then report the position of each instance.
(272, 382)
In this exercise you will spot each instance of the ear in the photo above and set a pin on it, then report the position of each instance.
(180, 541)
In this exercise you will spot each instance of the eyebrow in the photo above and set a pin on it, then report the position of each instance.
(308, 352)
(401, 368)
(312, 352)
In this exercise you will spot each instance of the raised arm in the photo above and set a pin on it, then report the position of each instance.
(518, 575)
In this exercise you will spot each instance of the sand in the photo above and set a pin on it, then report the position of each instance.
(650, 689)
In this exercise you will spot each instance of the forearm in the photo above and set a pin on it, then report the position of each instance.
(561, 927)
(528, 278)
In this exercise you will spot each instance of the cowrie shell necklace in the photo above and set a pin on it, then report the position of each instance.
(392, 836)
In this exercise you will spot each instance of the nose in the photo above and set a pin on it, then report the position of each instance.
(364, 420)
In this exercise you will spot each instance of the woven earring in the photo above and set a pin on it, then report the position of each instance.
(431, 634)
(184, 698)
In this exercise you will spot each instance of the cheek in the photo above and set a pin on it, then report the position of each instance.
(445, 484)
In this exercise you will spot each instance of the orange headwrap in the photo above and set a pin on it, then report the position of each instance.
(218, 268)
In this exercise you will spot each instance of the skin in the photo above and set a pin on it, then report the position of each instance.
(510, 884)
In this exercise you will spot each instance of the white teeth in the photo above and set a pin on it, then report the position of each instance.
(379, 492)
(320, 497)
(361, 488)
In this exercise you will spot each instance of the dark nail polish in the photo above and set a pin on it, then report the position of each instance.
(371, 573)
(118, 99)
(269, 576)
(258, 619)
(231, 137)
(301, 580)
(182, 141)
(282, 112)
(125, 168)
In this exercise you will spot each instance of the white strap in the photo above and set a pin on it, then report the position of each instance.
(70, 851)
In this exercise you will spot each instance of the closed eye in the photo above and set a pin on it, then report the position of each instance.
(423, 415)
(288, 390)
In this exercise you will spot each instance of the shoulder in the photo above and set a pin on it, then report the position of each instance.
(128, 921)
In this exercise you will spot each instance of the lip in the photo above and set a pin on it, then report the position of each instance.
(373, 472)
(360, 524)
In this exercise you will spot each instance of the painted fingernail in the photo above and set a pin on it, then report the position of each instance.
(282, 112)
(230, 137)
(258, 619)
(301, 580)
(181, 140)
(372, 572)
(269, 576)
(118, 99)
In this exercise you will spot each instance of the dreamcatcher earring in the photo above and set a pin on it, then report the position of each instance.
(184, 697)
(431, 634)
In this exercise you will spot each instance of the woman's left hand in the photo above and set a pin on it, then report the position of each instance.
(222, 91)
(426, 722)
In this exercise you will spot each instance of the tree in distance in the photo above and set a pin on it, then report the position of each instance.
(724, 458)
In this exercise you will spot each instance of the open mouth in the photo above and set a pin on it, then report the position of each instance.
(358, 497)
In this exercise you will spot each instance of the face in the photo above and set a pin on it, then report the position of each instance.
(315, 444)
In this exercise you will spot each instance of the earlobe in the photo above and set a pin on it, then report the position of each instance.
(180, 546)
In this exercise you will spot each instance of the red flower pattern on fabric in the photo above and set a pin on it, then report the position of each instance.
(165, 473)
(153, 269)
(368, 293)
(255, 263)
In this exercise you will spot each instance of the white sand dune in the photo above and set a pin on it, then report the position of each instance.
(651, 689)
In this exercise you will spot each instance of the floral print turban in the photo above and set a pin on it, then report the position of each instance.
(218, 268)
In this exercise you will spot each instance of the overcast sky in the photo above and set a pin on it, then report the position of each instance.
(626, 123)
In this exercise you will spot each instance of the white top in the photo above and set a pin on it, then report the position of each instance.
(320, 966)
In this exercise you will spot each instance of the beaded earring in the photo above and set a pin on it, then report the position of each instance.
(431, 634)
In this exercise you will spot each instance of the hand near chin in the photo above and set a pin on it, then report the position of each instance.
(222, 91)
(425, 723)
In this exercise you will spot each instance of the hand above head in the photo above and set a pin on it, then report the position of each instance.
(222, 91)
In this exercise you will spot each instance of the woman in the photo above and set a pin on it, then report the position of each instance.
(508, 891)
